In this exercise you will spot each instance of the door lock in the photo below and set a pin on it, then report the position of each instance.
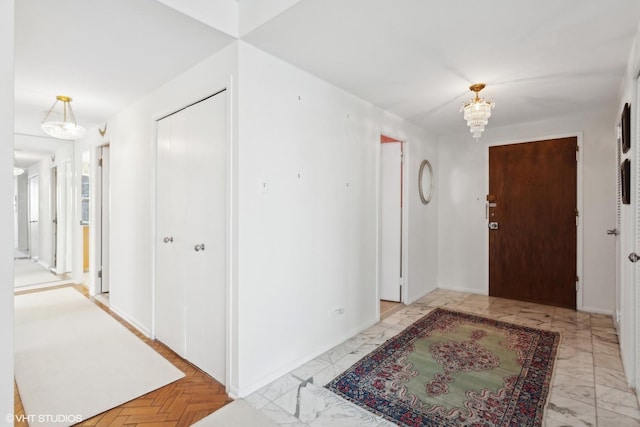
(493, 226)
(199, 247)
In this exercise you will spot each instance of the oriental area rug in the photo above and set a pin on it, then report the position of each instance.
(455, 369)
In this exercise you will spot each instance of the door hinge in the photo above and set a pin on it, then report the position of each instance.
(577, 283)
(577, 217)
(99, 274)
(577, 153)
(100, 162)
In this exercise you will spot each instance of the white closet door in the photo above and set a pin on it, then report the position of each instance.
(171, 244)
(206, 227)
(191, 230)
(390, 220)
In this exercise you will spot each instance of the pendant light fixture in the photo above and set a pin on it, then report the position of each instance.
(62, 123)
(477, 111)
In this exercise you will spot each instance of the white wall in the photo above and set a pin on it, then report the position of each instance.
(629, 325)
(6, 210)
(307, 244)
(303, 248)
(463, 185)
(21, 212)
(132, 141)
(423, 227)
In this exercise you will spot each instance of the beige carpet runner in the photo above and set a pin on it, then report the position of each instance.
(74, 361)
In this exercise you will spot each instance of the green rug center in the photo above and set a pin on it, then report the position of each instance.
(447, 364)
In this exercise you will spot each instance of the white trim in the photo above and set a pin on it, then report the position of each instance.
(130, 320)
(406, 206)
(580, 204)
(320, 349)
(597, 311)
(463, 289)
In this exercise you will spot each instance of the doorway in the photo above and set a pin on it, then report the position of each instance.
(532, 214)
(102, 194)
(53, 198)
(390, 255)
(34, 217)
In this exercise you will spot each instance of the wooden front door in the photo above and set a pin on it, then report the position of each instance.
(533, 203)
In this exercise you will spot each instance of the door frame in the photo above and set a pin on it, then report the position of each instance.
(580, 206)
(231, 374)
(95, 227)
(406, 158)
(29, 211)
(54, 200)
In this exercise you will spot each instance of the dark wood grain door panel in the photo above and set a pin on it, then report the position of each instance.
(532, 253)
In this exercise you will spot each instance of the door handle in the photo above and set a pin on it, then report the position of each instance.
(634, 257)
(199, 247)
(168, 239)
(613, 232)
(493, 226)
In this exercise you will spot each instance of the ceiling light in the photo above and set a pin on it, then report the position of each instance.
(62, 124)
(17, 171)
(477, 111)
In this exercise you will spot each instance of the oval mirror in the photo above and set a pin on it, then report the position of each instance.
(425, 182)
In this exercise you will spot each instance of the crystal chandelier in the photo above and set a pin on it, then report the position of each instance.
(477, 111)
(62, 124)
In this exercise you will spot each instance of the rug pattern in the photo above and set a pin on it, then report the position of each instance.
(456, 369)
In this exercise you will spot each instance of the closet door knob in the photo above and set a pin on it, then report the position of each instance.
(199, 247)
(634, 257)
(168, 239)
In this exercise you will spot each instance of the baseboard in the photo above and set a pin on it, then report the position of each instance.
(283, 370)
(597, 311)
(412, 300)
(144, 331)
(463, 289)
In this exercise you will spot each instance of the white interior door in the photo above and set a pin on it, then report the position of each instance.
(34, 217)
(190, 299)
(206, 229)
(171, 245)
(390, 221)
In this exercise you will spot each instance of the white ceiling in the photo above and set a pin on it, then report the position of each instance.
(105, 54)
(540, 59)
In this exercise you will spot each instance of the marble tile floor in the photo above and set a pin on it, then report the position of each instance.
(588, 386)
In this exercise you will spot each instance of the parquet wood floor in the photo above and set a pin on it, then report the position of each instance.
(180, 403)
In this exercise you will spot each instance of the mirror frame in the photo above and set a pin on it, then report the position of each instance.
(425, 198)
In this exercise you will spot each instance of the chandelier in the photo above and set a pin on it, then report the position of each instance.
(62, 124)
(477, 111)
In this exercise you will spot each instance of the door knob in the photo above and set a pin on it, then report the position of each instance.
(493, 226)
(613, 232)
(634, 257)
(199, 247)
(168, 239)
